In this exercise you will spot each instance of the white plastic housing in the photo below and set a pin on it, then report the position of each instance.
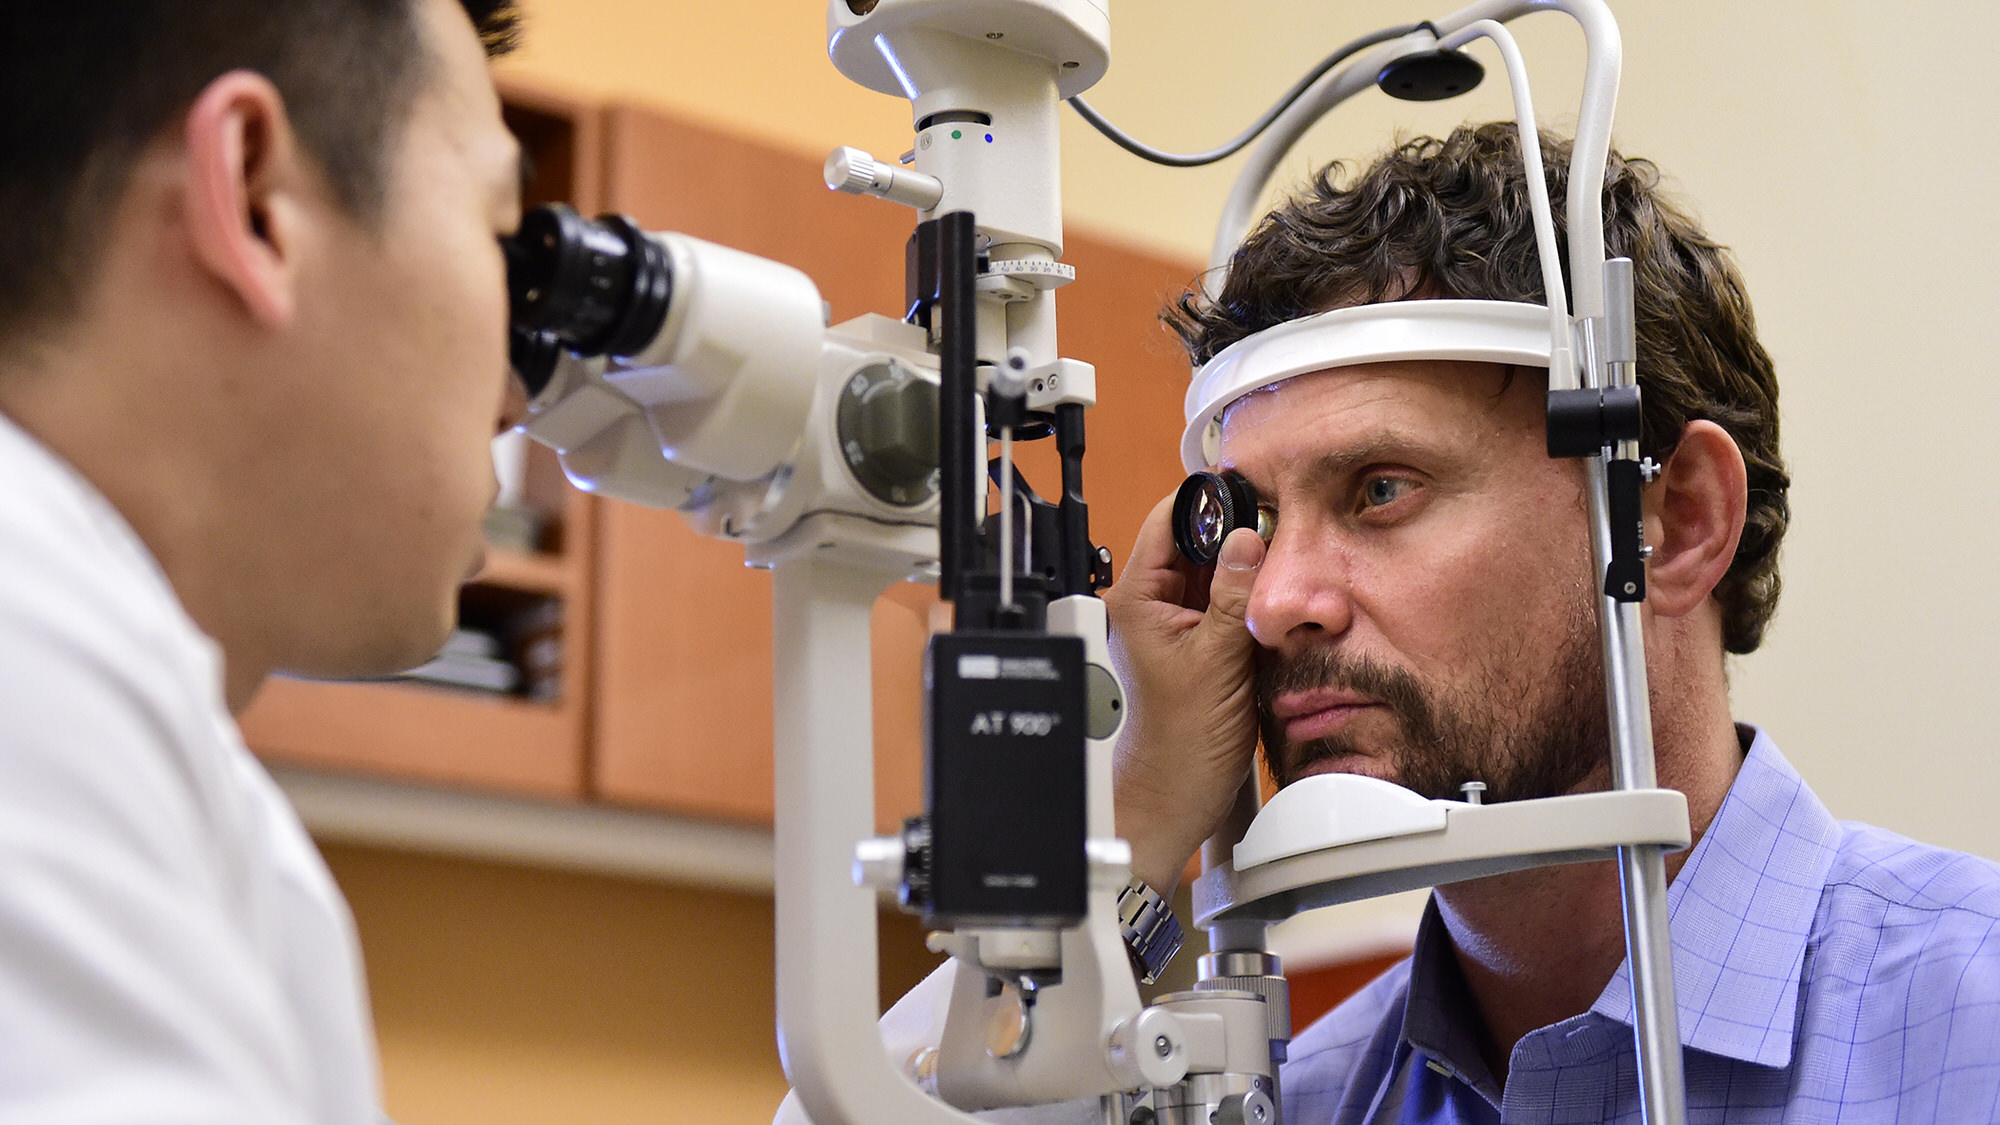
(720, 395)
(603, 440)
(728, 379)
(1012, 61)
(815, 477)
(1478, 331)
(1476, 841)
(1072, 36)
(1328, 810)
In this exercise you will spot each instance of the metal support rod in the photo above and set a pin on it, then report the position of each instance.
(1656, 1021)
(959, 509)
(1007, 518)
(1074, 548)
(1642, 870)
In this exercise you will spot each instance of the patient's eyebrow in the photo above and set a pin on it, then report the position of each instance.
(1384, 445)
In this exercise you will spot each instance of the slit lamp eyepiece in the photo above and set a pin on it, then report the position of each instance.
(591, 286)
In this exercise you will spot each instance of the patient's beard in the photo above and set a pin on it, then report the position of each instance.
(1524, 735)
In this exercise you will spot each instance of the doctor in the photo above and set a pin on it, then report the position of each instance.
(252, 353)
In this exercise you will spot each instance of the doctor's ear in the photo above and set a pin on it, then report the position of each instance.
(1694, 518)
(243, 193)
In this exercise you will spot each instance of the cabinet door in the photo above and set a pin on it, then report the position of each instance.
(684, 630)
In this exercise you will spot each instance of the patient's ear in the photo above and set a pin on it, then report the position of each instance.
(242, 191)
(1694, 517)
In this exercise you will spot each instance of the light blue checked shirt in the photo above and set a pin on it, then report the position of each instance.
(1825, 972)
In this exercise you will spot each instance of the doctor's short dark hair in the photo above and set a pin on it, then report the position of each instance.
(88, 84)
(1449, 218)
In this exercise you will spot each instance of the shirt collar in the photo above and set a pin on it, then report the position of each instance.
(1439, 1016)
(58, 493)
(1741, 912)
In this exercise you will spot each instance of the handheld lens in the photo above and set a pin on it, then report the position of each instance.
(1207, 508)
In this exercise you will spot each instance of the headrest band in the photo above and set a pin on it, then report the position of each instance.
(1479, 331)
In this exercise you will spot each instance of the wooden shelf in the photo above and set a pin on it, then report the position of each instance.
(420, 733)
(538, 573)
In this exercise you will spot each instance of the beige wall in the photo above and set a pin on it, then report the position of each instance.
(514, 996)
(511, 995)
(1845, 150)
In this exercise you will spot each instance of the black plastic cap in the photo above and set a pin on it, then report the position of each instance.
(1430, 76)
(600, 286)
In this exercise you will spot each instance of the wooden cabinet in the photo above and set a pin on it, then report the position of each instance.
(665, 699)
(505, 743)
(684, 685)
(684, 692)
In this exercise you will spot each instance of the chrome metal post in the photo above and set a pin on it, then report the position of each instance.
(1642, 869)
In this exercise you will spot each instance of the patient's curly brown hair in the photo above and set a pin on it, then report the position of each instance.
(1450, 218)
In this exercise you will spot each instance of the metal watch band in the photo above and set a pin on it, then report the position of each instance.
(1152, 933)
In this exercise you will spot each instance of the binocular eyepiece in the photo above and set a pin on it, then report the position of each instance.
(1208, 507)
(589, 286)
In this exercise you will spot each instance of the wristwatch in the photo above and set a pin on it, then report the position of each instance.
(1152, 933)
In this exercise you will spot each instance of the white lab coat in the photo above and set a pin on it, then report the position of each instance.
(172, 948)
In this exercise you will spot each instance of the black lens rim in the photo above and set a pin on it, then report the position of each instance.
(600, 286)
(1234, 495)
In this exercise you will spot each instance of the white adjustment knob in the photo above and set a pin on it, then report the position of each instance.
(878, 862)
(857, 173)
(1148, 1049)
(850, 170)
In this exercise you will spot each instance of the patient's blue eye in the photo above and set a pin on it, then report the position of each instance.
(1378, 491)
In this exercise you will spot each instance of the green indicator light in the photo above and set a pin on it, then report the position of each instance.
(955, 134)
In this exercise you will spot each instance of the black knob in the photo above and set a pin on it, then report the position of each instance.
(915, 892)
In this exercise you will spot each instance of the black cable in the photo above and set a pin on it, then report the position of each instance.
(1197, 159)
